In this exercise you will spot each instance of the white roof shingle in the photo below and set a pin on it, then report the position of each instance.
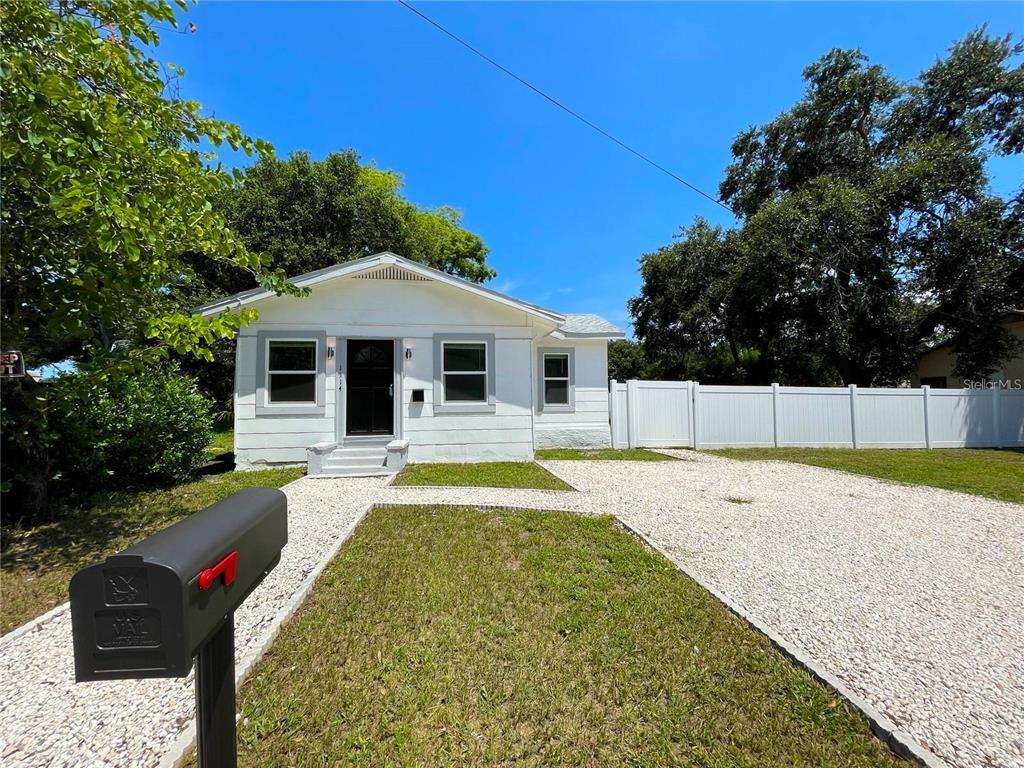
(589, 326)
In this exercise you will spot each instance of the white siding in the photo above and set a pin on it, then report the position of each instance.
(587, 426)
(505, 434)
(414, 312)
(390, 308)
(273, 439)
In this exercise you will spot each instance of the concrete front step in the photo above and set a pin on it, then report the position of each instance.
(360, 458)
(353, 461)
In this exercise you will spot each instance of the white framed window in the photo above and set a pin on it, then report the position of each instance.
(464, 371)
(556, 378)
(292, 371)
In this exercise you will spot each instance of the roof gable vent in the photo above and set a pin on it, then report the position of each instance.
(391, 272)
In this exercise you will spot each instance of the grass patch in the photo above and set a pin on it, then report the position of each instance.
(449, 636)
(38, 561)
(495, 474)
(738, 500)
(602, 454)
(223, 441)
(998, 474)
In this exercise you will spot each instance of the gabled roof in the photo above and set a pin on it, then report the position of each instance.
(352, 268)
(570, 326)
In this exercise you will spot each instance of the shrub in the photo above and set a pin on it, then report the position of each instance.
(148, 427)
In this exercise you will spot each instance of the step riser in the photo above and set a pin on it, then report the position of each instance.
(355, 462)
(369, 472)
(354, 452)
(353, 467)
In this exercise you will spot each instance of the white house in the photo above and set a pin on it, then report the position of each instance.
(387, 360)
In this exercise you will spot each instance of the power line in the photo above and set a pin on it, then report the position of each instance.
(637, 153)
(563, 107)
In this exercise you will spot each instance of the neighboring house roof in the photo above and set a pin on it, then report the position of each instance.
(1012, 315)
(592, 327)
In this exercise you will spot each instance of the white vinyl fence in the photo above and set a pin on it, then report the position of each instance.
(661, 414)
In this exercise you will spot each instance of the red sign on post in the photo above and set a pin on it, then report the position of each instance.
(12, 364)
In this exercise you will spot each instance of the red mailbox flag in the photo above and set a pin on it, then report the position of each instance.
(228, 566)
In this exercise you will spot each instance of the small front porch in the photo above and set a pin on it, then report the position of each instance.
(358, 457)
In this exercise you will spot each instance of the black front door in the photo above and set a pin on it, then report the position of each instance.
(370, 380)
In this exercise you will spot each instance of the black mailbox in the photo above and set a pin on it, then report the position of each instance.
(147, 611)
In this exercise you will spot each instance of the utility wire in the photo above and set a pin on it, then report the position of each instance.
(568, 110)
(564, 108)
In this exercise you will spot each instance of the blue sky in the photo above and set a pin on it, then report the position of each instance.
(565, 212)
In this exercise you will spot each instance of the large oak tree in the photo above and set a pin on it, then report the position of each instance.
(867, 230)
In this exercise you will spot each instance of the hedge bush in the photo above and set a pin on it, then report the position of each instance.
(148, 427)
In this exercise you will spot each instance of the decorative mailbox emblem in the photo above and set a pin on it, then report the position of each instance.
(126, 585)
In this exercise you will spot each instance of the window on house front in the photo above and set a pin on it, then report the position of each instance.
(464, 367)
(291, 371)
(556, 378)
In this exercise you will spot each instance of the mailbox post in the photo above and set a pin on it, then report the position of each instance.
(153, 608)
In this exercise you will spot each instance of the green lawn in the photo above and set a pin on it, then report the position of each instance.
(993, 473)
(38, 562)
(223, 441)
(449, 636)
(496, 474)
(602, 454)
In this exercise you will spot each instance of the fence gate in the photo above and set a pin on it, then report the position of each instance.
(654, 414)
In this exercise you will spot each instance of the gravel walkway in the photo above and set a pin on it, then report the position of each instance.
(911, 596)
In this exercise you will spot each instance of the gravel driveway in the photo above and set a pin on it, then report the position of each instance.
(913, 597)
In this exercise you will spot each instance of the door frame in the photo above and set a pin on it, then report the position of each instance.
(341, 387)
